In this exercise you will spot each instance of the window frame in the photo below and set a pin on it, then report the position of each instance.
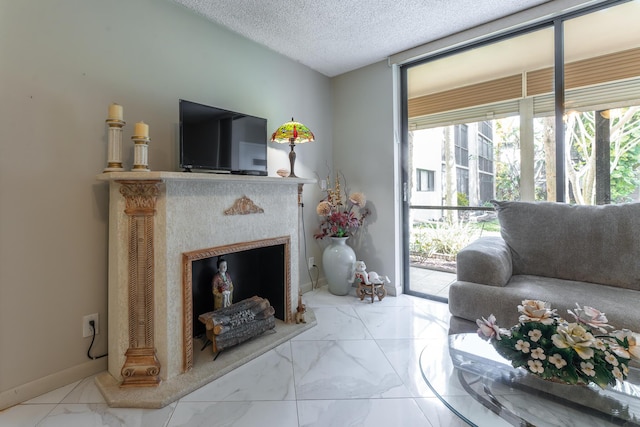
(430, 177)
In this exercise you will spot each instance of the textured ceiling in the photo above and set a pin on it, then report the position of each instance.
(337, 36)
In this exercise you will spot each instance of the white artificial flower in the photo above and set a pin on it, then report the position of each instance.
(523, 346)
(587, 368)
(557, 360)
(611, 359)
(538, 353)
(535, 335)
(535, 366)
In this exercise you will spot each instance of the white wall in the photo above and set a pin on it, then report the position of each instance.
(365, 150)
(427, 155)
(63, 63)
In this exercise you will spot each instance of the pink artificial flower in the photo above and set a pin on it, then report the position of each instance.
(591, 317)
(488, 327)
(632, 348)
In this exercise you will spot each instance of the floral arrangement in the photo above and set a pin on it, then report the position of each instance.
(341, 215)
(576, 352)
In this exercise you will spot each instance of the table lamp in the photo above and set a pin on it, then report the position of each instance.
(292, 133)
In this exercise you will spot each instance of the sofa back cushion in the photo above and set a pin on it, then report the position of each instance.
(598, 244)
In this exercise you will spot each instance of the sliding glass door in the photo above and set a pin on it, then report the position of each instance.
(482, 124)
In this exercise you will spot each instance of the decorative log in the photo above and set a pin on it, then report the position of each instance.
(219, 329)
(239, 322)
(242, 334)
(235, 313)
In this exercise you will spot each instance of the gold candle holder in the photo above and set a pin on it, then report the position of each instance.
(140, 153)
(114, 149)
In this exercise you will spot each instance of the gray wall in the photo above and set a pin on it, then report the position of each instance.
(62, 64)
(365, 151)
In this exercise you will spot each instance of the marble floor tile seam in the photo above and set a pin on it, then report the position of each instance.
(364, 399)
(183, 400)
(41, 418)
(43, 400)
(297, 399)
(337, 339)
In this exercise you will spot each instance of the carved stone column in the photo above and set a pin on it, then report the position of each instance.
(141, 367)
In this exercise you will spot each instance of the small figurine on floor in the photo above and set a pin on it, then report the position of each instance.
(300, 310)
(362, 276)
(369, 283)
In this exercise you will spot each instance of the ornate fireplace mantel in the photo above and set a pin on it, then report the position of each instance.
(154, 218)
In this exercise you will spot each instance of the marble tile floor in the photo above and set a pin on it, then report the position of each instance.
(359, 366)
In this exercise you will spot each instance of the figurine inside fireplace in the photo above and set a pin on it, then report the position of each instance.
(222, 286)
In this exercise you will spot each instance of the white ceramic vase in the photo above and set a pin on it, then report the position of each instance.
(338, 262)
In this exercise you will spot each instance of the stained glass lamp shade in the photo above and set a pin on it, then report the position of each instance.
(292, 133)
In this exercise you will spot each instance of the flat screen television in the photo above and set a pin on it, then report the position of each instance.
(217, 140)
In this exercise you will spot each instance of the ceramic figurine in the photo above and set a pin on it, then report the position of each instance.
(369, 284)
(222, 286)
(300, 310)
(365, 278)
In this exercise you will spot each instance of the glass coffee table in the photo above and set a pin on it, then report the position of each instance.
(471, 368)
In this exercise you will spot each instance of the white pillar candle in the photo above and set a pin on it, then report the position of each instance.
(141, 129)
(115, 112)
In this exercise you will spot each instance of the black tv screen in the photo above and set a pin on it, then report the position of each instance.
(217, 140)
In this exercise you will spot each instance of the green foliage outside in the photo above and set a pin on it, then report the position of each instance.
(580, 158)
(624, 178)
(625, 154)
(507, 154)
(444, 238)
(506, 145)
(463, 200)
(449, 237)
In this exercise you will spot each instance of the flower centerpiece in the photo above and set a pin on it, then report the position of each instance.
(579, 352)
(342, 215)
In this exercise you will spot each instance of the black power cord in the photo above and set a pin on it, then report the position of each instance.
(304, 240)
(93, 337)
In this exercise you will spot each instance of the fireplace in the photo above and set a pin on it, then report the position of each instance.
(259, 268)
(159, 223)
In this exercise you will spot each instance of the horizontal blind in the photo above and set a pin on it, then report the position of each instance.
(467, 96)
(602, 82)
(600, 97)
(468, 115)
(606, 68)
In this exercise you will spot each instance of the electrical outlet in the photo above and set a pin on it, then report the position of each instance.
(312, 262)
(86, 327)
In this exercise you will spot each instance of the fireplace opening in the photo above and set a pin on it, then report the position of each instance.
(259, 267)
(259, 271)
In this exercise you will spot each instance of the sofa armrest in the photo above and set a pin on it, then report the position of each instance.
(486, 261)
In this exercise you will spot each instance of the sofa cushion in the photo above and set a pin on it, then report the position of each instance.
(472, 301)
(486, 260)
(597, 244)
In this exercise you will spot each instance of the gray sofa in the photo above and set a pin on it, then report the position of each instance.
(555, 252)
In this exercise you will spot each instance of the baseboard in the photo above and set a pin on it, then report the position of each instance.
(393, 290)
(51, 382)
(307, 287)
